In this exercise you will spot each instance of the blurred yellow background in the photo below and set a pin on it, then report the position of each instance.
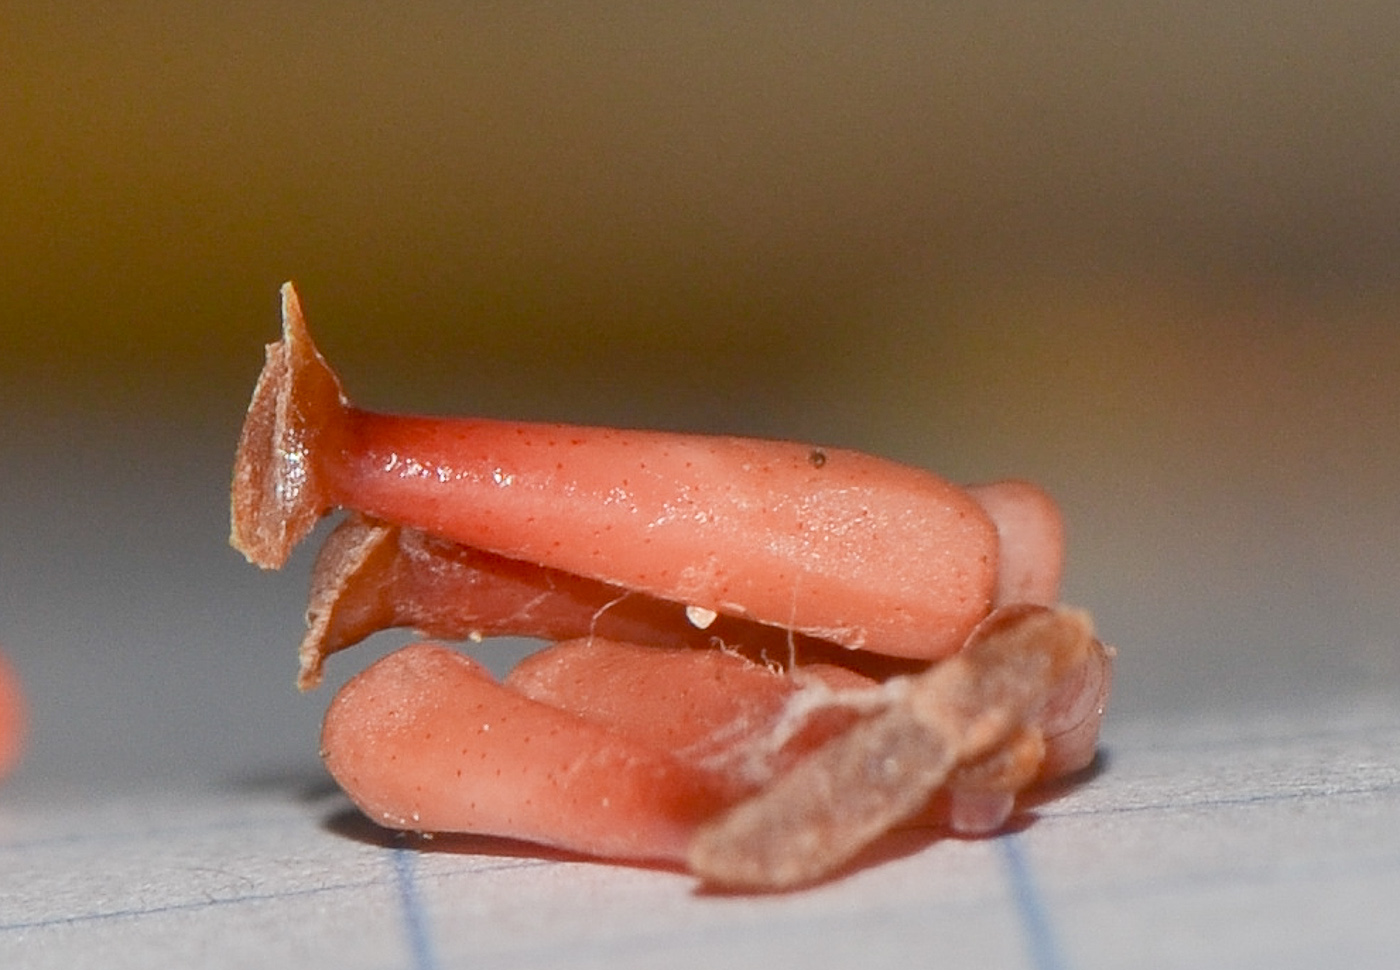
(1145, 254)
(688, 200)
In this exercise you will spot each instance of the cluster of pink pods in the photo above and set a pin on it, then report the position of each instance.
(763, 655)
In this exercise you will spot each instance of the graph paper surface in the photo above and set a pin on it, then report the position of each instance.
(1233, 844)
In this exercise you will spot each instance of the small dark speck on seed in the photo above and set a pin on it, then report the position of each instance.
(817, 458)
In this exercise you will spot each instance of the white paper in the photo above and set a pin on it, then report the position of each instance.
(1268, 843)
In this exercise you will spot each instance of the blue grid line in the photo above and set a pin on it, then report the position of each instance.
(199, 904)
(1044, 948)
(415, 919)
(1231, 801)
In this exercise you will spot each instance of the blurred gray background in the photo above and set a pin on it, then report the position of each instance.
(1145, 254)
